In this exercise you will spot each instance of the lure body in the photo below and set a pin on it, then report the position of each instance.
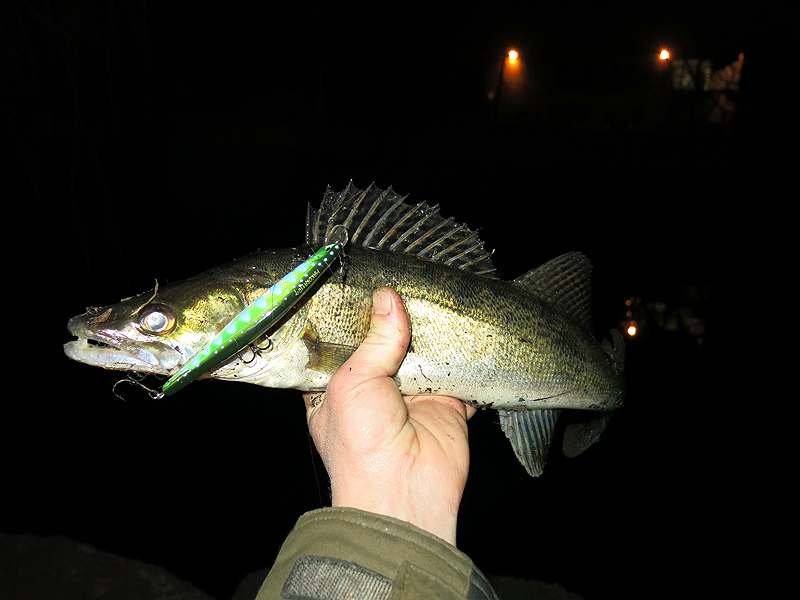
(256, 319)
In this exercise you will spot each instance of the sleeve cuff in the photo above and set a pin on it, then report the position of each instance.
(336, 547)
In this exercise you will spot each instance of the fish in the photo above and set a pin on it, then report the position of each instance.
(524, 347)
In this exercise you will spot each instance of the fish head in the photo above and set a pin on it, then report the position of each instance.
(155, 332)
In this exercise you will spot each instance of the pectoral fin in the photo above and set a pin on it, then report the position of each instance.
(329, 357)
(325, 357)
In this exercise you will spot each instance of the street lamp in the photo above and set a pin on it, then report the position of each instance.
(510, 75)
(664, 55)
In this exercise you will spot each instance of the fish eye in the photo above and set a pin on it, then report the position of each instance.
(157, 319)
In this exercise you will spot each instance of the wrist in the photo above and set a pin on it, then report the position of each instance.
(439, 518)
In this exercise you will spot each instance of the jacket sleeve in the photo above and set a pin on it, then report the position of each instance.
(336, 553)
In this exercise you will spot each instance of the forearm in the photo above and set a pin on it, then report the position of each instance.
(334, 552)
(429, 511)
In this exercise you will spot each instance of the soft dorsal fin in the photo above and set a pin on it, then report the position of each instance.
(565, 282)
(382, 220)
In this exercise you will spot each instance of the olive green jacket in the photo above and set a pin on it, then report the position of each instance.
(337, 553)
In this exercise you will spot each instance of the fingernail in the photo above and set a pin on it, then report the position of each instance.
(381, 303)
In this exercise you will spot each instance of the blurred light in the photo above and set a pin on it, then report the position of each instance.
(632, 329)
(664, 55)
(513, 56)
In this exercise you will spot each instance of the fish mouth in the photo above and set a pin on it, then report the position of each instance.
(99, 350)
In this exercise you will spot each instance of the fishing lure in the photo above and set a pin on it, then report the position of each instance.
(255, 320)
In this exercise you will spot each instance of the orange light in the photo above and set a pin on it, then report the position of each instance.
(664, 55)
(513, 56)
(632, 330)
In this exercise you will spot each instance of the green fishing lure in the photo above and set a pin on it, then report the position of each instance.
(255, 320)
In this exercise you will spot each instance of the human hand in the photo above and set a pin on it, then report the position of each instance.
(402, 456)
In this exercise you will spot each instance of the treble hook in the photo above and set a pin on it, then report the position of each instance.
(256, 350)
(153, 394)
(241, 355)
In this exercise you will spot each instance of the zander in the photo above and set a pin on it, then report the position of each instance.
(523, 347)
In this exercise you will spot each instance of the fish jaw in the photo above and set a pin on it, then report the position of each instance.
(115, 353)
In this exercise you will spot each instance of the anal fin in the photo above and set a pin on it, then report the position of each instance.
(530, 433)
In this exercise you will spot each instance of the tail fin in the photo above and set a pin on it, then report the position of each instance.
(615, 349)
(579, 436)
(565, 281)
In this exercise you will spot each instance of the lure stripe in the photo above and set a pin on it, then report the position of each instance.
(255, 319)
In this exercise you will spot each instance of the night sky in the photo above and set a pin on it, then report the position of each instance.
(155, 142)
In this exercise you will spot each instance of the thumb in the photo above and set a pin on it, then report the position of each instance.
(384, 348)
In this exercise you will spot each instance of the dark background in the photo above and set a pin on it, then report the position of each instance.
(138, 131)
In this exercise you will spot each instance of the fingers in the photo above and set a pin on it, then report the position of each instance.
(467, 411)
(384, 348)
(362, 395)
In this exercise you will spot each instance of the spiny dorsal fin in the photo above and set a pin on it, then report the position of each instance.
(382, 220)
(565, 282)
(530, 433)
